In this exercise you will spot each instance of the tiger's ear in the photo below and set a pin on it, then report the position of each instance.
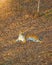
(21, 32)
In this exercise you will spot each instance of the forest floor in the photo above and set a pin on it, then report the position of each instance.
(21, 15)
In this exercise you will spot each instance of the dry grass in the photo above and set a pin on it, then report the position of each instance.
(21, 15)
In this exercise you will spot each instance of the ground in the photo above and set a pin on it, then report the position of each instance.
(21, 15)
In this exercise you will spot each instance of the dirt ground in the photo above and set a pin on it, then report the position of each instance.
(21, 15)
